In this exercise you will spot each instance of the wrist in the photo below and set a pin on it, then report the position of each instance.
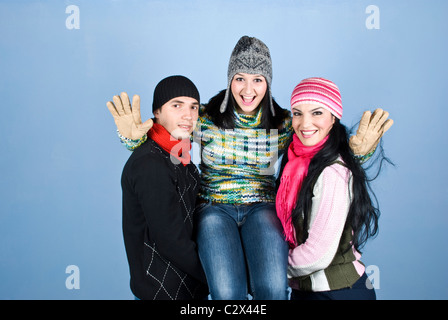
(132, 144)
(364, 157)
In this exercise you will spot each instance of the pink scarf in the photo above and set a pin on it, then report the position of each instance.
(295, 171)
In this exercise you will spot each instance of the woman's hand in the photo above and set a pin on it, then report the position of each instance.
(371, 129)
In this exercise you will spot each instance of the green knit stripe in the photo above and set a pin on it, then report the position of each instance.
(237, 166)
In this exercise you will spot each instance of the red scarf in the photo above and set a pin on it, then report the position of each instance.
(295, 171)
(180, 149)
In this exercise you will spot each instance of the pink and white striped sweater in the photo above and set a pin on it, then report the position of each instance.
(322, 263)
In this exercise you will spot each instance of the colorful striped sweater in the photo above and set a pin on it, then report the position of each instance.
(237, 165)
(322, 263)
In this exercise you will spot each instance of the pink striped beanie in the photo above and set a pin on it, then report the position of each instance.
(318, 91)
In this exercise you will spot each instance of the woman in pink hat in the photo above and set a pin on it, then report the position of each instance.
(323, 200)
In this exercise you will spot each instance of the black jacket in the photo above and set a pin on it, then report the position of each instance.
(158, 204)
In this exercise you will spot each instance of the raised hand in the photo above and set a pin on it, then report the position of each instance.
(127, 117)
(371, 128)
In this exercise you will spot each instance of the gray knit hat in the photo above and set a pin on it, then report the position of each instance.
(252, 56)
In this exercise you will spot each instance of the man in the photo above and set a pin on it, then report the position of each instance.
(159, 191)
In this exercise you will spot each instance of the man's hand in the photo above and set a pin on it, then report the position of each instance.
(370, 130)
(127, 117)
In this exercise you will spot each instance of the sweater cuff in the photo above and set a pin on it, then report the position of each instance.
(363, 158)
(130, 144)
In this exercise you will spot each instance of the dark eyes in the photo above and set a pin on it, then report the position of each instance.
(194, 107)
(314, 113)
(256, 80)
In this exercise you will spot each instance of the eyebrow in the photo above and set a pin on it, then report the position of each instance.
(310, 110)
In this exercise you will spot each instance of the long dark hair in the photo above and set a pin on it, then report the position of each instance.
(363, 213)
(226, 120)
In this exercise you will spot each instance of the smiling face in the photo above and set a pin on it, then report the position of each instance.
(178, 116)
(311, 123)
(248, 90)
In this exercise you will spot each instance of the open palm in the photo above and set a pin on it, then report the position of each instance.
(128, 118)
(371, 128)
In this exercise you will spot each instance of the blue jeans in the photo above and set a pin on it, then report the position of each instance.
(242, 250)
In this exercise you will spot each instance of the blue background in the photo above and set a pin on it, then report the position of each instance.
(61, 160)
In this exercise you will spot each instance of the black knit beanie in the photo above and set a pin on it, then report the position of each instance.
(172, 87)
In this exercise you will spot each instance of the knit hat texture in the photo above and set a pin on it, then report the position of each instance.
(172, 87)
(318, 91)
(252, 56)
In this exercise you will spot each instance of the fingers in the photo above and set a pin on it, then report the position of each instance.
(380, 124)
(387, 125)
(376, 112)
(378, 120)
(136, 101)
(136, 109)
(112, 109)
(375, 118)
(118, 105)
(364, 123)
(121, 104)
(147, 125)
(125, 102)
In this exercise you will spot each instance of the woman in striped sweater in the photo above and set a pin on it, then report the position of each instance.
(241, 133)
(323, 200)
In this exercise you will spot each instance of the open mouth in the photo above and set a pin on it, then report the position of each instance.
(247, 100)
(308, 133)
(185, 127)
